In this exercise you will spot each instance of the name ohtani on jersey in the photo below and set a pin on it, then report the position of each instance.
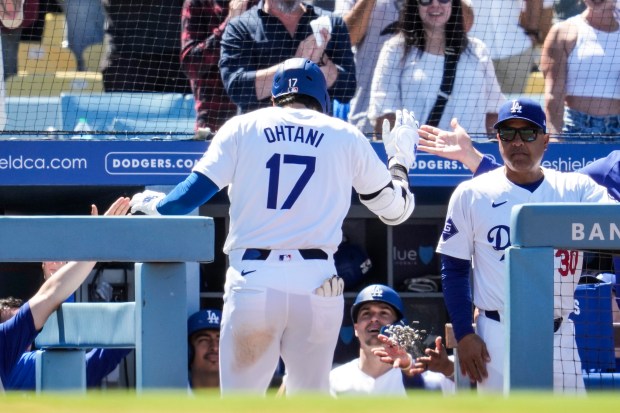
(293, 133)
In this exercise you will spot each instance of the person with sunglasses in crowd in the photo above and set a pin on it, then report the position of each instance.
(431, 66)
(477, 229)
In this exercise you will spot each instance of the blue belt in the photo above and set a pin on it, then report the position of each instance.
(494, 315)
(262, 255)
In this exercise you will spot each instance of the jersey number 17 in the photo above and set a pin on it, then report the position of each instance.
(274, 164)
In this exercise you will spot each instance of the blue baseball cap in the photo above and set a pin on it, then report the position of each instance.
(208, 319)
(523, 108)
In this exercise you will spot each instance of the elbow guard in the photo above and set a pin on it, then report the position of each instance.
(393, 205)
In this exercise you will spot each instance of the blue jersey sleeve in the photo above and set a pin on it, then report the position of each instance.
(606, 172)
(457, 294)
(188, 195)
(23, 375)
(487, 164)
(16, 334)
(101, 362)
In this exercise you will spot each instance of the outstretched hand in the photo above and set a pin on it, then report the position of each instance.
(118, 207)
(392, 353)
(435, 360)
(455, 145)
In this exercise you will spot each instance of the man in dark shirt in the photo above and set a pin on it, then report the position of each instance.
(255, 43)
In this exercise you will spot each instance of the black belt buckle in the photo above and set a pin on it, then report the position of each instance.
(557, 323)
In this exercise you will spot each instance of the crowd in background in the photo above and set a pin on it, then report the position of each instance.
(442, 59)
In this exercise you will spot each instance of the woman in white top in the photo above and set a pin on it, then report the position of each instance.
(411, 66)
(581, 64)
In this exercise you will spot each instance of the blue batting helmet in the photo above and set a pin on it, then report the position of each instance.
(380, 293)
(303, 77)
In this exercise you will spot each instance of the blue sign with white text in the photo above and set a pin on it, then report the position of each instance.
(118, 163)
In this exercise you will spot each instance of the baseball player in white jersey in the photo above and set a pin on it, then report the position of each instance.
(477, 230)
(289, 170)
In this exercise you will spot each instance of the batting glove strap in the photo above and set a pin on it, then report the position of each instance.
(398, 172)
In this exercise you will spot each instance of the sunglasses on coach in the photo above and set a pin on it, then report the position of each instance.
(526, 134)
(429, 2)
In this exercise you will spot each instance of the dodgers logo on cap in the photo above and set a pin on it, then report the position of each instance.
(522, 108)
(208, 319)
(377, 291)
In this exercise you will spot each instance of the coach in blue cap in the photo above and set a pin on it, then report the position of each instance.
(203, 332)
(477, 229)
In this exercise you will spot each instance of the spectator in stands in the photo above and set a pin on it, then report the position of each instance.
(203, 332)
(581, 65)
(17, 333)
(203, 23)
(255, 43)
(12, 21)
(371, 23)
(99, 362)
(144, 45)
(78, 36)
(431, 53)
(12, 14)
(513, 30)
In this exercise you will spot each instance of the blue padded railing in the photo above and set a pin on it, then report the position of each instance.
(156, 327)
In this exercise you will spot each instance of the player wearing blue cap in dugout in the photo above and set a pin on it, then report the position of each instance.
(203, 335)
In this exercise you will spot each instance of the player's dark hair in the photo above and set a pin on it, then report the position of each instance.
(11, 302)
(306, 100)
(8, 303)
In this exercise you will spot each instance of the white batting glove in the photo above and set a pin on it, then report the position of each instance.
(401, 143)
(146, 202)
(331, 287)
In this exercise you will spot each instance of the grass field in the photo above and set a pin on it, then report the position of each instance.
(110, 402)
